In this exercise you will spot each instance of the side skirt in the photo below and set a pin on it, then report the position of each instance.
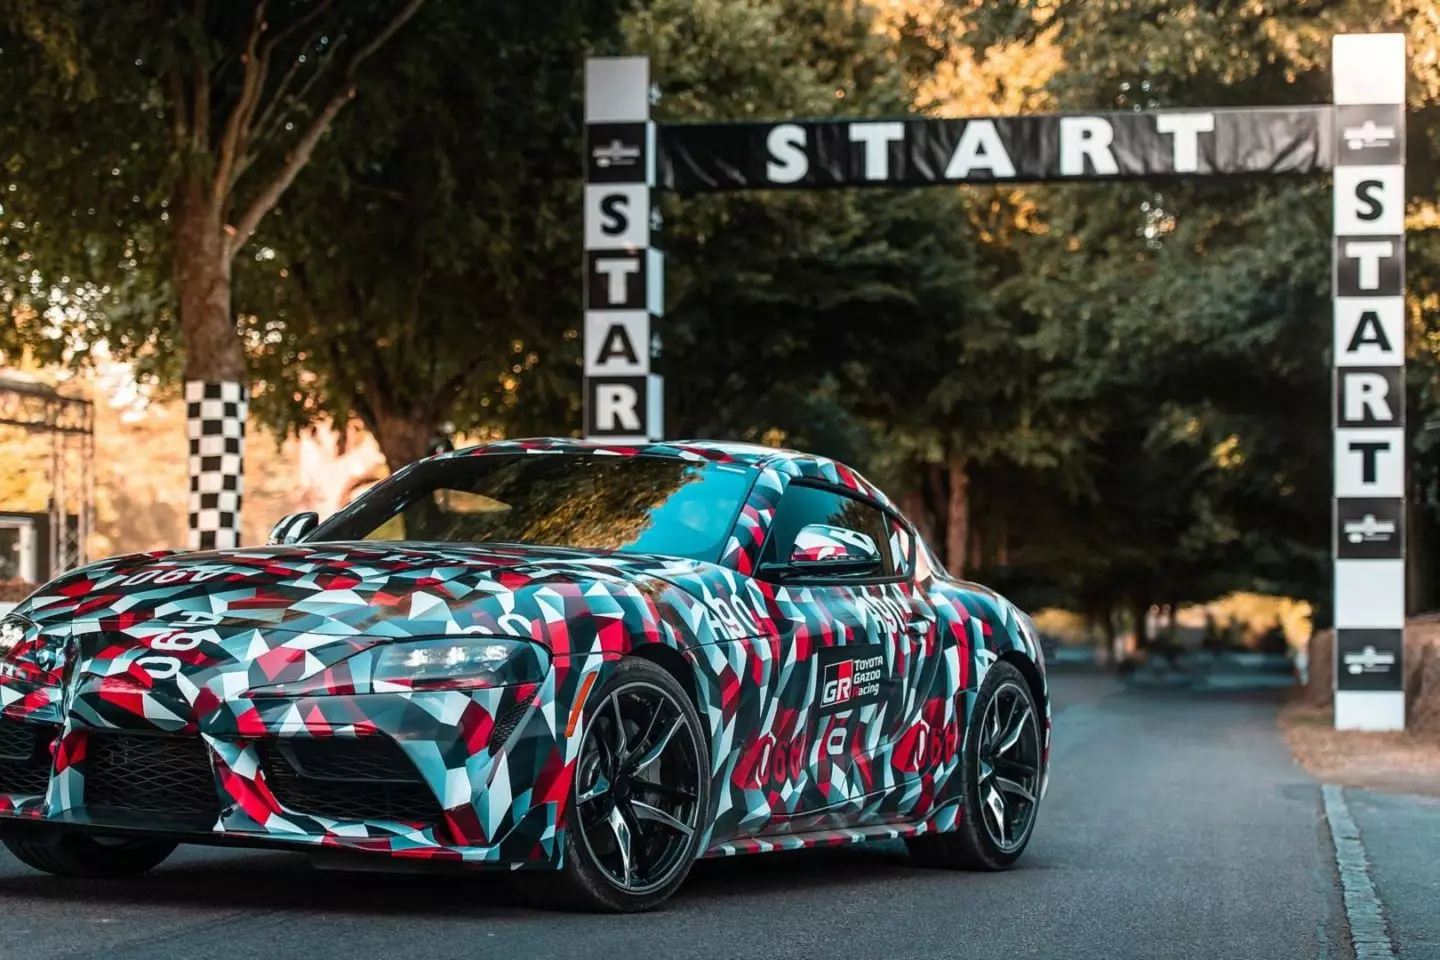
(941, 821)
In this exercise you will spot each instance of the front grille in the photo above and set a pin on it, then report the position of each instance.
(150, 774)
(24, 757)
(369, 778)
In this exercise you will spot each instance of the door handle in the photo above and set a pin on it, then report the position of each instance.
(918, 630)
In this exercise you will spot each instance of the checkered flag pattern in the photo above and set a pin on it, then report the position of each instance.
(215, 420)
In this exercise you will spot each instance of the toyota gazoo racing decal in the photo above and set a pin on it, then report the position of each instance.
(851, 677)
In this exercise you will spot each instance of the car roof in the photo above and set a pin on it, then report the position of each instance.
(791, 462)
(748, 454)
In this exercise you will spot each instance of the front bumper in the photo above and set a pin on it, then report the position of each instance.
(474, 776)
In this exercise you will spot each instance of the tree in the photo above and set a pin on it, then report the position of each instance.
(822, 316)
(414, 296)
(429, 273)
(1198, 312)
(150, 140)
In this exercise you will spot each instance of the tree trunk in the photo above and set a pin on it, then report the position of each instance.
(1139, 615)
(933, 481)
(913, 506)
(402, 439)
(1419, 544)
(217, 386)
(957, 515)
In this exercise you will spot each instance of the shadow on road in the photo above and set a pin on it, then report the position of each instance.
(287, 882)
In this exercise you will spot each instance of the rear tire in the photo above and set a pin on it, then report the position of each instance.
(78, 855)
(640, 800)
(1002, 769)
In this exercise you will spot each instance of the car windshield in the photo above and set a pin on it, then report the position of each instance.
(633, 504)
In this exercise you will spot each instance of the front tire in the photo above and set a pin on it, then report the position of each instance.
(640, 797)
(1003, 752)
(78, 855)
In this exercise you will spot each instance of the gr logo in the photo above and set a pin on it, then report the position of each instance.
(839, 683)
(850, 676)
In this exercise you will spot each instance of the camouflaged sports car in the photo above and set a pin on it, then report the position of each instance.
(587, 664)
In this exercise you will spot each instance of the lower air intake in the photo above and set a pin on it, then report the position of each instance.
(24, 757)
(163, 775)
(369, 778)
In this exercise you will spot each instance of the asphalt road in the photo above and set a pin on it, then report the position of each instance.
(1176, 827)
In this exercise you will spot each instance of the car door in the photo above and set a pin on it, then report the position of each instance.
(859, 636)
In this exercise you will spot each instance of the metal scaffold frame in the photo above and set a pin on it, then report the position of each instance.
(70, 424)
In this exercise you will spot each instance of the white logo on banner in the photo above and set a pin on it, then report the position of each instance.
(1369, 660)
(1368, 135)
(1369, 529)
(616, 154)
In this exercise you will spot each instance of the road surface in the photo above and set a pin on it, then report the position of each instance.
(1176, 827)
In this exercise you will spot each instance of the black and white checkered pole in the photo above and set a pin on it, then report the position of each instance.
(1369, 357)
(215, 421)
(624, 282)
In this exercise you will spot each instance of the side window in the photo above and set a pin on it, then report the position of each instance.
(803, 505)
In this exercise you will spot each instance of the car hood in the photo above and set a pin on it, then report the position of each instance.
(362, 585)
(282, 614)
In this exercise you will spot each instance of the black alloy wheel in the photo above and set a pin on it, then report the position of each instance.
(1002, 764)
(640, 797)
(1007, 766)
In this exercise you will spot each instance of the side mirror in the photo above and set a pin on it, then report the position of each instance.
(294, 527)
(822, 550)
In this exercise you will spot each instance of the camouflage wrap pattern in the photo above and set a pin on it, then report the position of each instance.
(834, 713)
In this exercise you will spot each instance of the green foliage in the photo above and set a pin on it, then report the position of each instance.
(429, 269)
(1133, 376)
(1194, 315)
(108, 105)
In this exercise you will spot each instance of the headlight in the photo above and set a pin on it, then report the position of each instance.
(21, 655)
(14, 630)
(460, 662)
